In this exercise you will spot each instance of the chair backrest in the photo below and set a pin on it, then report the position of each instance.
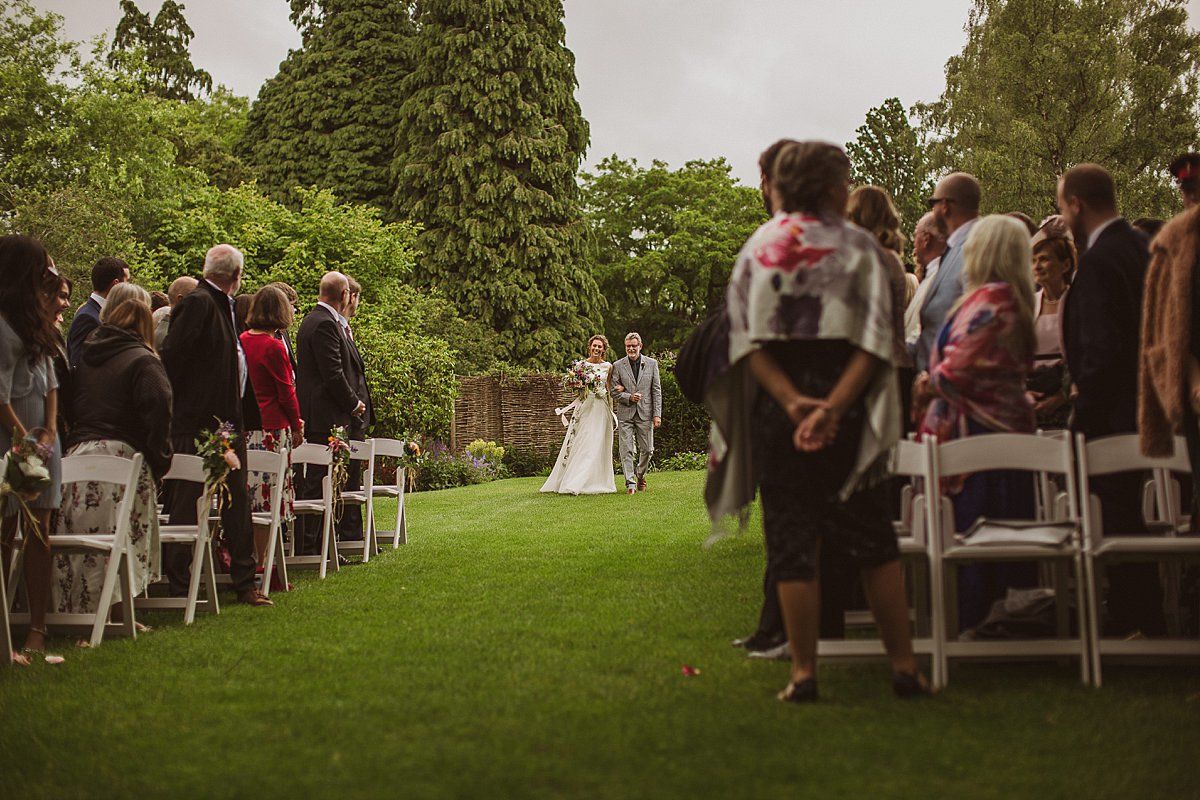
(123, 472)
(391, 448)
(362, 450)
(1122, 453)
(909, 458)
(266, 461)
(186, 468)
(309, 453)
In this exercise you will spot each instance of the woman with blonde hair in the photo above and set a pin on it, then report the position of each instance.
(976, 385)
(121, 405)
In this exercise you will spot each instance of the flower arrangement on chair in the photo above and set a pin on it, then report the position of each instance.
(339, 466)
(26, 475)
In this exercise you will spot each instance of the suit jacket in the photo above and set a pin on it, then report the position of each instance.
(323, 380)
(1102, 321)
(943, 293)
(201, 358)
(87, 319)
(357, 375)
(647, 383)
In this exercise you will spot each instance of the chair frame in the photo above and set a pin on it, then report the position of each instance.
(1008, 451)
(118, 471)
(1111, 455)
(7, 642)
(361, 451)
(275, 465)
(320, 456)
(391, 448)
(199, 536)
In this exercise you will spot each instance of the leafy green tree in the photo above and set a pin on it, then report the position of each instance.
(489, 141)
(665, 241)
(164, 41)
(1042, 85)
(328, 118)
(888, 152)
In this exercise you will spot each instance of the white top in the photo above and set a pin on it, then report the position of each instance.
(1048, 331)
(912, 314)
(960, 233)
(100, 300)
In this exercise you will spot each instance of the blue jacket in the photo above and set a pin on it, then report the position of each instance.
(943, 294)
(87, 319)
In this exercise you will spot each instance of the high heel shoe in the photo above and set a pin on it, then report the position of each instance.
(911, 684)
(803, 692)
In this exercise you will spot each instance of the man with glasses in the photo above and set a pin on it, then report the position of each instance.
(955, 203)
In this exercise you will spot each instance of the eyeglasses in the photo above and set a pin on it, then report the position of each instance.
(931, 202)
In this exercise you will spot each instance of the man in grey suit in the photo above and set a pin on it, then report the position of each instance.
(639, 411)
(955, 201)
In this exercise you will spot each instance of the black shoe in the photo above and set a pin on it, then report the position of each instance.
(911, 684)
(803, 692)
(759, 642)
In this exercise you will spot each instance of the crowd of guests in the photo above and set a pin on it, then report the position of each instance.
(1082, 322)
(150, 373)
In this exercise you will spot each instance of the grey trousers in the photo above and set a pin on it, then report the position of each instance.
(635, 439)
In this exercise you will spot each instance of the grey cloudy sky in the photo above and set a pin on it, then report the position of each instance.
(667, 79)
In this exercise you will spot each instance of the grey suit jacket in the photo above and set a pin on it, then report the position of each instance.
(647, 383)
(947, 287)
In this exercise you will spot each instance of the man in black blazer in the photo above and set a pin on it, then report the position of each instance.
(323, 385)
(106, 273)
(204, 360)
(1102, 322)
(350, 526)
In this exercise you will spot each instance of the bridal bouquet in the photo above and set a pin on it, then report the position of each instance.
(584, 379)
(26, 475)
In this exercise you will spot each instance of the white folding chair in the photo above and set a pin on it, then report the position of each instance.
(1108, 456)
(197, 536)
(1007, 451)
(362, 451)
(7, 641)
(275, 466)
(316, 455)
(908, 459)
(390, 448)
(122, 472)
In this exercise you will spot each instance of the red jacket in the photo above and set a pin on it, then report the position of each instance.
(273, 381)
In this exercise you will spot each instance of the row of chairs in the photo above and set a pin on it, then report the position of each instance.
(123, 473)
(1061, 469)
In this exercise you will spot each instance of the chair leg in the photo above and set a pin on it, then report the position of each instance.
(1092, 587)
(1085, 652)
(281, 565)
(325, 528)
(128, 623)
(198, 564)
(14, 574)
(104, 607)
(7, 642)
(401, 536)
(269, 562)
(210, 578)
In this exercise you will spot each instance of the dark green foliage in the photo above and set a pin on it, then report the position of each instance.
(489, 141)
(445, 470)
(889, 152)
(523, 463)
(665, 242)
(168, 69)
(685, 424)
(328, 118)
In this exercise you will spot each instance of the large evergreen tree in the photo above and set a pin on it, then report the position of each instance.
(888, 151)
(328, 118)
(167, 69)
(489, 142)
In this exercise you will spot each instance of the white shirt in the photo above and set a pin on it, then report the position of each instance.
(1099, 229)
(960, 233)
(100, 301)
(243, 373)
(912, 314)
(341, 320)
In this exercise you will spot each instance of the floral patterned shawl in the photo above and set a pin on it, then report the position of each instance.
(800, 277)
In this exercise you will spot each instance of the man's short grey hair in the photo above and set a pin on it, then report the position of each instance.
(223, 262)
(119, 295)
(629, 337)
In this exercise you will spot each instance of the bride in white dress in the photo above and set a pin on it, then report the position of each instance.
(585, 462)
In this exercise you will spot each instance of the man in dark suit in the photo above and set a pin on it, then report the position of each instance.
(1102, 322)
(350, 526)
(204, 360)
(323, 385)
(106, 273)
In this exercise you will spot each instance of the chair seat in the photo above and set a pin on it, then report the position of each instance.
(309, 506)
(1018, 552)
(261, 518)
(385, 491)
(181, 534)
(82, 542)
(358, 496)
(1151, 545)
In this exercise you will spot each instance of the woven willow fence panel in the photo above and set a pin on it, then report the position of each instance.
(514, 411)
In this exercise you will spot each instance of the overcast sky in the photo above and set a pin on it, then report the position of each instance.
(667, 79)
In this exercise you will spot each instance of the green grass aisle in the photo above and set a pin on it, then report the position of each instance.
(530, 646)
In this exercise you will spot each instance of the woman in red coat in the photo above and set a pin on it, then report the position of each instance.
(274, 383)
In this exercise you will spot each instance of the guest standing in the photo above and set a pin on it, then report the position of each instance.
(58, 302)
(122, 402)
(1102, 321)
(179, 289)
(29, 406)
(106, 273)
(929, 243)
(976, 385)
(350, 526)
(275, 389)
(209, 379)
(811, 324)
(1053, 265)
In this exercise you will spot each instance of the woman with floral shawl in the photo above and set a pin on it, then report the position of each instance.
(809, 407)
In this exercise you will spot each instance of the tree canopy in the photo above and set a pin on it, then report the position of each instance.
(166, 68)
(888, 151)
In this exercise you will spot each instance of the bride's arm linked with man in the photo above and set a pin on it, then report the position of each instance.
(637, 395)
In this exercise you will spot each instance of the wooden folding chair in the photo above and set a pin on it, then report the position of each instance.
(1108, 456)
(365, 452)
(391, 448)
(275, 466)
(197, 536)
(1008, 451)
(122, 472)
(316, 455)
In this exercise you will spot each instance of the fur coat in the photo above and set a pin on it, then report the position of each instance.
(1166, 330)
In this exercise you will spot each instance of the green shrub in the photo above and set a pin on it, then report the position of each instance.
(525, 463)
(685, 424)
(681, 461)
(490, 451)
(445, 470)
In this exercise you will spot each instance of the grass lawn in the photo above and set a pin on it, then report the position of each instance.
(531, 646)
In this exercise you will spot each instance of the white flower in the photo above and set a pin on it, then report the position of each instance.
(35, 461)
(29, 468)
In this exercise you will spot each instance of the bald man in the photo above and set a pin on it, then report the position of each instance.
(955, 203)
(323, 385)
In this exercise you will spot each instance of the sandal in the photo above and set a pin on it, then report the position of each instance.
(910, 685)
(49, 658)
(803, 692)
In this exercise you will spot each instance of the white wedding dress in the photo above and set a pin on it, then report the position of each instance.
(585, 462)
